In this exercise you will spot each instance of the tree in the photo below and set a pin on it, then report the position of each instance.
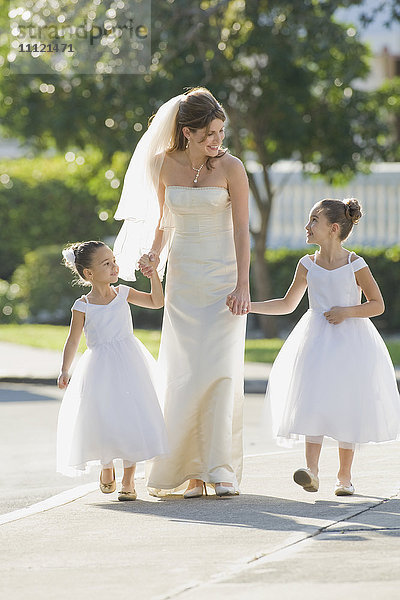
(283, 70)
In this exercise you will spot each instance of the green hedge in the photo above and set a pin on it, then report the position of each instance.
(383, 262)
(41, 290)
(46, 202)
(50, 200)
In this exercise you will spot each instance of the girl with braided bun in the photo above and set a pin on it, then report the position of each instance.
(333, 376)
(110, 408)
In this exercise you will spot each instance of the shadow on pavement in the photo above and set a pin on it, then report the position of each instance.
(249, 511)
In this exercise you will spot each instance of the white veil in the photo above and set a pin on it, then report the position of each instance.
(138, 205)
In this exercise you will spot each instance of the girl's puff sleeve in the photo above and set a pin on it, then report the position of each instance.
(123, 291)
(358, 264)
(79, 305)
(305, 261)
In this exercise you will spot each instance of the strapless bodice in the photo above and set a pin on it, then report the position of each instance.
(199, 210)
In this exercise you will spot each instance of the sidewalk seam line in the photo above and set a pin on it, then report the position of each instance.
(250, 563)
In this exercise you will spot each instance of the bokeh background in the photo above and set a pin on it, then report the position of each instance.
(312, 94)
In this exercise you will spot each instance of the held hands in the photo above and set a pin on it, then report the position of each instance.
(148, 263)
(238, 301)
(63, 380)
(336, 315)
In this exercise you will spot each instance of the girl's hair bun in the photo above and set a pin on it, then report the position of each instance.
(353, 210)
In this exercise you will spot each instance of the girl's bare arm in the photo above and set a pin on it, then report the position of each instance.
(154, 299)
(287, 304)
(71, 346)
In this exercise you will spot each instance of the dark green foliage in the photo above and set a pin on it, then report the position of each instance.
(284, 72)
(45, 291)
(49, 200)
(42, 291)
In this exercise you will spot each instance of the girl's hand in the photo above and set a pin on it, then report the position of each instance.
(63, 380)
(238, 301)
(336, 315)
(148, 263)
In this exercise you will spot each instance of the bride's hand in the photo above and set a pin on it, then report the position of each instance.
(238, 301)
(148, 263)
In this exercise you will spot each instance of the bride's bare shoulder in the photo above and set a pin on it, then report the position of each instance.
(231, 163)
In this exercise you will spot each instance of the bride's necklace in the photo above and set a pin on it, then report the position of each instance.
(197, 170)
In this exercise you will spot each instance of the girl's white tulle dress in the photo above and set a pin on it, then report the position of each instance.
(110, 408)
(334, 380)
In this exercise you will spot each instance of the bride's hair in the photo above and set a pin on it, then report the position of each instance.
(345, 213)
(196, 111)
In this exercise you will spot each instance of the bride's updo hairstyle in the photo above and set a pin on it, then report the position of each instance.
(345, 213)
(79, 256)
(196, 111)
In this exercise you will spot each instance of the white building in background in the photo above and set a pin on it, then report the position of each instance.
(383, 41)
(384, 65)
(295, 194)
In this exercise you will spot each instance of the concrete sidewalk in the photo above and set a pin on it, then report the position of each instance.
(272, 541)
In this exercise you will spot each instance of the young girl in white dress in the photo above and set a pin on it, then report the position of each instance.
(333, 376)
(110, 408)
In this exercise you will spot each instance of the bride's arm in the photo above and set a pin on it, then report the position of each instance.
(239, 300)
(159, 239)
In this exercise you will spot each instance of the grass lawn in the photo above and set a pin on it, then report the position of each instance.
(53, 337)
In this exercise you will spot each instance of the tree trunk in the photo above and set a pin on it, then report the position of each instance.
(261, 285)
(260, 269)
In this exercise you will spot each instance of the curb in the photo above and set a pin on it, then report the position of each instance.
(251, 386)
(255, 386)
(30, 380)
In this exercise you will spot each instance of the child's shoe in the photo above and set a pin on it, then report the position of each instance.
(127, 496)
(344, 490)
(308, 481)
(108, 488)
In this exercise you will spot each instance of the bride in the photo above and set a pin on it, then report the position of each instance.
(200, 223)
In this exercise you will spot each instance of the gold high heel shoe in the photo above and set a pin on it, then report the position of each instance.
(196, 492)
(108, 488)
